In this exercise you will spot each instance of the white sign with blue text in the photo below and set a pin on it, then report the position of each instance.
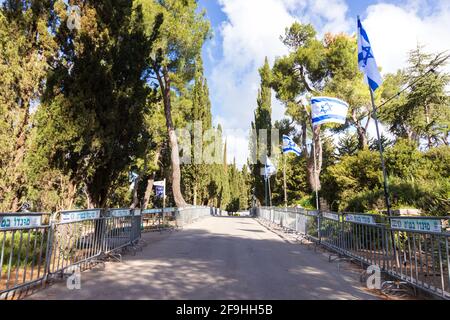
(120, 213)
(412, 224)
(331, 216)
(358, 218)
(7, 222)
(79, 215)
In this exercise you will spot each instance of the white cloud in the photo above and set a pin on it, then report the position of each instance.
(394, 30)
(251, 33)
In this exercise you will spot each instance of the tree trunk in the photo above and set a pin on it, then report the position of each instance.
(361, 131)
(17, 160)
(176, 172)
(362, 138)
(174, 150)
(195, 194)
(314, 177)
(135, 202)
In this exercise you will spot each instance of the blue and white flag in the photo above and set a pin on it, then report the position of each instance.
(326, 109)
(366, 60)
(269, 168)
(290, 146)
(160, 187)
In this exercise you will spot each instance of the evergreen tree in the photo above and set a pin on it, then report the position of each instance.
(197, 174)
(422, 111)
(178, 42)
(263, 121)
(91, 119)
(25, 48)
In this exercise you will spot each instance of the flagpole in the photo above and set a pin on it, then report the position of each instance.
(270, 193)
(315, 166)
(284, 181)
(385, 183)
(373, 78)
(164, 195)
(265, 191)
(380, 147)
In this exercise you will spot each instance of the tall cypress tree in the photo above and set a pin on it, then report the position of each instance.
(25, 48)
(196, 175)
(263, 120)
(92, 113)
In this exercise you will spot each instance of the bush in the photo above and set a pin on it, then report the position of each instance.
(416, 179)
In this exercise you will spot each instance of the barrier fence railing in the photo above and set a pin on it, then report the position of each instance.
(412, 249)
(35, 247)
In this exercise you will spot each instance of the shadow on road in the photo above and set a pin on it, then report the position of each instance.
(216, 259)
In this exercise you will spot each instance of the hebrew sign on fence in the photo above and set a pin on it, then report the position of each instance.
(19, 221)
(72, 216)
(331, 216)
(120, 212)
(413, 224)
(358, 218)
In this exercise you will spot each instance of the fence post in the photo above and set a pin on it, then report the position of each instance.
(48, 250)
(100, 231)
(319, 226)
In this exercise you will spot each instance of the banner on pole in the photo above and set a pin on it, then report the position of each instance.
(159, 188)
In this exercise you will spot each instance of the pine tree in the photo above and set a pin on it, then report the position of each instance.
(178, 43)
(91, 119)
(25, 48)
(263, 114)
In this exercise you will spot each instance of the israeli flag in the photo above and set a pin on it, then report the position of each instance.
(366, 60)
(326, 109)
(290, 146)
(269, 168)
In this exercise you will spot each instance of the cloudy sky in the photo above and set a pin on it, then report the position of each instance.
(245, 31)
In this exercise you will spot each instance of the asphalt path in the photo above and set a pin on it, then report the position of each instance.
(216, 258)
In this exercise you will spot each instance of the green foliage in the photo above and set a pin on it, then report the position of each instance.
(25, 47)
(416, 179)
(263, 121)
(17, 245)
(420, 112)
(89, 127)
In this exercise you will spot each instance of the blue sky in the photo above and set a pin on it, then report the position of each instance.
(245, 31)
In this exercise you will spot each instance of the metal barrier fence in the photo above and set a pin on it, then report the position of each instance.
(411, 249)
(189, 215)
(23, 250)
(35, 247)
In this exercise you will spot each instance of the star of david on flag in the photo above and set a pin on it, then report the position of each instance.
(366, 60)
(290, 146)
(327, 109)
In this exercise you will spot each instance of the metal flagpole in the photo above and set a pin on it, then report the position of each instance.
(265, 188)
(380, 147)
(164, 195)
(284, 182)
(373, 79)
(270, 193)
(383, 167)
(315, 168)
(314, 156)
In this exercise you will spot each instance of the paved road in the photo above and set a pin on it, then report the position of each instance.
(217, 258)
